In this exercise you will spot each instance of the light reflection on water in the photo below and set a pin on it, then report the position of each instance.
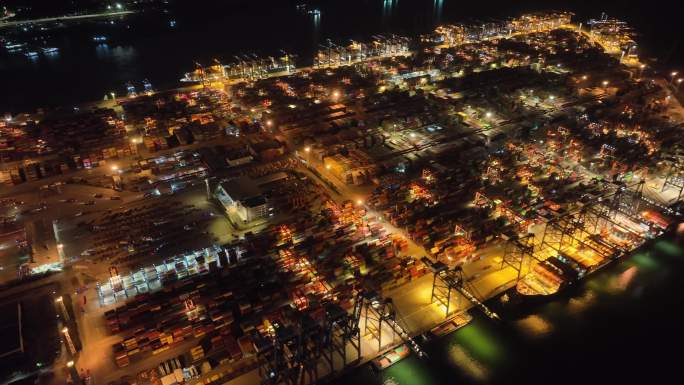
(534, 326)
(459, 357)
(623, 281)
(577, 305)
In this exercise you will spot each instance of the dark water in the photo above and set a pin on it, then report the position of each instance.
(621, 326)
(147, 46)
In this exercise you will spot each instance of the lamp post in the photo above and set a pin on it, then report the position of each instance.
(75, 378)
(60, 253)
(206, 182)
(70, 342)
(672, 76)
(60, 301)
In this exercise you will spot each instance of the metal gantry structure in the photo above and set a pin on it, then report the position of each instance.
(342, 330)
(518, 252)
(581, 228)
(331, 54)
(674, 180)
(576, 230)
(448, 283)
(291, 354)
(379, 311)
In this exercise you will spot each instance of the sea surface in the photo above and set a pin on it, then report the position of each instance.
(162, 44)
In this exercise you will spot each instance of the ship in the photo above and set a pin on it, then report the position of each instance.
(50, 50)
(31, 54)
(452, 325)
(242, 68)
(147, 86)
(99, 39)
(548, 278)
(130, 90)
(14, 47)
(391, 357)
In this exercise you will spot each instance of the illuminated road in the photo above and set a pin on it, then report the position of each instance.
(64, 18)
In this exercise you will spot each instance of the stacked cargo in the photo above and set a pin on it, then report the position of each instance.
(121, 356)
(5, 178)
(31, 171)
(197, 353)
(232, 347)
(192, 308)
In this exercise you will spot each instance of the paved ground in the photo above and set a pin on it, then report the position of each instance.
(412, 301)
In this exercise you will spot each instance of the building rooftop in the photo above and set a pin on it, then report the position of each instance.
(254, 201)
(241, 189)
(270, 178)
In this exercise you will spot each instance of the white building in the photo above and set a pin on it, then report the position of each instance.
(242, 198)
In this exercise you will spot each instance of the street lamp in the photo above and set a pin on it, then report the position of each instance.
(488, 114)
(336, 94)
(75, 378)
(307, 150)
(60, 301)
(641, 69)
(70, 342)
(115, 168)
(679, 81)
(672, 76)
(359, 202)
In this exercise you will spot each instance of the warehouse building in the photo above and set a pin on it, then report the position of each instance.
(242, 198)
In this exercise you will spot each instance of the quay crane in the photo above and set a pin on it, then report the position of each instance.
(290, 354)
(447, 281)
(378, 310)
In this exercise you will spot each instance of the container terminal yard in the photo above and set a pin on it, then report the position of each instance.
(278, 224)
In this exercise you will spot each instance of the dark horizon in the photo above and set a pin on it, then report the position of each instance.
(204, 29)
